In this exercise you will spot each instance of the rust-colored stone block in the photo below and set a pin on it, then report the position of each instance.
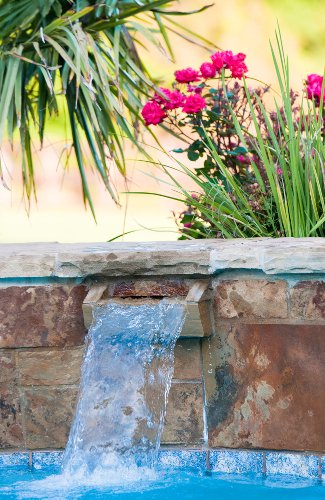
(245, 298)
(184, 417)
(45, 367)
(41, 316)
(308, 300)
(265, 387)
(7, 366)
(150, 288)
(11, 426)
(187, 364)
(48, 416)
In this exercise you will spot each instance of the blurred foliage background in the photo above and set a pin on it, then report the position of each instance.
(59, 215)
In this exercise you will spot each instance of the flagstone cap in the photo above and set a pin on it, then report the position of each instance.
(184, 258)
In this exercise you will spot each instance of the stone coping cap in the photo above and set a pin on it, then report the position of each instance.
(188, 258)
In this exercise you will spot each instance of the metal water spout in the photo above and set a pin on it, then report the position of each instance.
(198, 320)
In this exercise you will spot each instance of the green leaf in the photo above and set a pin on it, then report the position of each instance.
(193, 155)
(7, 90)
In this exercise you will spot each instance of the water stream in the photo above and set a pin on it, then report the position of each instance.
(125, 380)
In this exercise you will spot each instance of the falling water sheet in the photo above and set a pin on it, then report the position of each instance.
(126, 376)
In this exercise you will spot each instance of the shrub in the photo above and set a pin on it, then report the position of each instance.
(263, 173)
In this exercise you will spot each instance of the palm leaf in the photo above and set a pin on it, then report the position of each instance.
(79, 56)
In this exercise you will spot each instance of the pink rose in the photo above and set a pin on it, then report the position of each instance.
(238, 69)
(243, 159)
(208, 70)
(240, 57)
(218, 60)
(194, 103)
(314, 86)
(175, 99)
(228, 57)
(152, 113)
(222, 59)
(187, 75)
(313, 78)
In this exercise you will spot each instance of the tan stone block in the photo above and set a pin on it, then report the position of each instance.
(25, 260)
(187, 364)
(48, 416)
(197, 320)
(265, 387)
(244, 298)
(55, 367)
(7, 366)
(130, 259)
(308, 300)
(11, 426)
(184, 416)
(41, 316)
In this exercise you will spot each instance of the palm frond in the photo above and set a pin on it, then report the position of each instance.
(80, 56)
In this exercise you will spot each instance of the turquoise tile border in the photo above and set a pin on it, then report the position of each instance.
(236, 462)
(175, 459)
(43, 459)
(322, 468)
(292, 464)
(271, 463)
(15, 459)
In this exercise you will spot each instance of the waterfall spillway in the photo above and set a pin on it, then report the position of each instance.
(125, 381)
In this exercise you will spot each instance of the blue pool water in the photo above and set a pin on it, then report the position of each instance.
(20, 483)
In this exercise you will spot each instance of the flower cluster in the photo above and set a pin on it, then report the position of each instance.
(314, 87)
(189, 86)
(227, 60)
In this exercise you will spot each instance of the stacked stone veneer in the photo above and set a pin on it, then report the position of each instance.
(257, 382)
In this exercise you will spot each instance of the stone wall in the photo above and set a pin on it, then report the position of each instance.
(257, 382)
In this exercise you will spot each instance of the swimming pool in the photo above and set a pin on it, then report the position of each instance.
(46, 484)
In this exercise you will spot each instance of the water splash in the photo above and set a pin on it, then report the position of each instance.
(125, 381)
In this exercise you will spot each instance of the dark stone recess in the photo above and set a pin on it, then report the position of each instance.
(265, 387)
(151, 288)
(41, 316)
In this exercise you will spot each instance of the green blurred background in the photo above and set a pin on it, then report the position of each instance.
(59, 215)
